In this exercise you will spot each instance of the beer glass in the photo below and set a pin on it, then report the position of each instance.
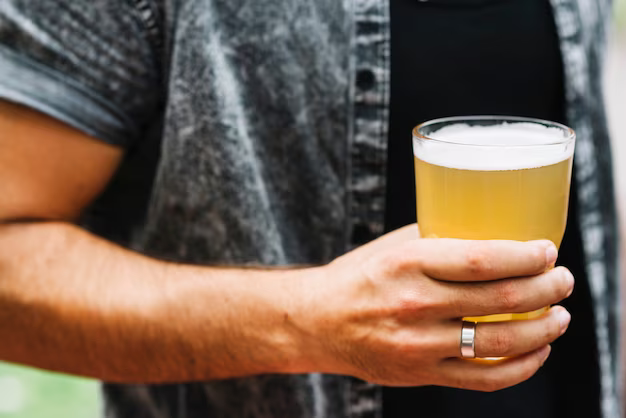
(492, 177)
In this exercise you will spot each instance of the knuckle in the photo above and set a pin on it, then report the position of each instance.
(478, 261)
(398, 264)
(408, 346)
(456, 306)
(411, 303)
(401, 347)
(508, 296)
(502, 343)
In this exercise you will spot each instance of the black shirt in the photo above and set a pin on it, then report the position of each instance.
(499, 57)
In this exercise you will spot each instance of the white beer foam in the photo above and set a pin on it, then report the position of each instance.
(509, 146)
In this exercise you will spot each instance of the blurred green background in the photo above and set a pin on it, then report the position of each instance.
(620, 14)
(30, 393)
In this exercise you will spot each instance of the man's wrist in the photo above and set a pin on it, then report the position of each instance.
(261, 320)
(303, 349)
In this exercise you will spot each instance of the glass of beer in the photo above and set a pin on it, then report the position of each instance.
(493, 177)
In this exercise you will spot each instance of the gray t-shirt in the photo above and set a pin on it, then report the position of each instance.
(271, 151)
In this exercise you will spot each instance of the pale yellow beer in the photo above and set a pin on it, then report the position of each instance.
(504, 180)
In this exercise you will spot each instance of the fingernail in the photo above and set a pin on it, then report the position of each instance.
(569, 278)
(551, 255)
(564, 319)
(544, 353)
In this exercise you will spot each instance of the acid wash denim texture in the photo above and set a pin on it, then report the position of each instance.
(271, 152)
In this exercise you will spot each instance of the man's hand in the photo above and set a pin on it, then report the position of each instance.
(387, 312)
(390, 312)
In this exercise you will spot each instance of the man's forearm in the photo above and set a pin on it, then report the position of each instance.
(75, 303)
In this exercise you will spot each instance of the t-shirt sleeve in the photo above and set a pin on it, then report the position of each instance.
(89, 63)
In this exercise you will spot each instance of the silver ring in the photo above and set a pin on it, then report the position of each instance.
(468, 339)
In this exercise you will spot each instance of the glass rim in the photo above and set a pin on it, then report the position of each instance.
(569, 137)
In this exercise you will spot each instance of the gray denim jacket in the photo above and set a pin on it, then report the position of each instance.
(272, 152)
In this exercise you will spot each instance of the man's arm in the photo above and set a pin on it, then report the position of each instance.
(49, 171)
(72, 302)
(75, 303)
(387, 312)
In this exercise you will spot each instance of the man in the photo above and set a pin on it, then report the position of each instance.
(242, 136)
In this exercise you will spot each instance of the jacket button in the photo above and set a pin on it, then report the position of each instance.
(365, 79)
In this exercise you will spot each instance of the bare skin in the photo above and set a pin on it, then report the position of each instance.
(387, 312)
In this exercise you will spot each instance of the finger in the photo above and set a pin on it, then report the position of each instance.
(509, 338)
(491, 375)
(464, 260)
(516, 295)
(512, 338)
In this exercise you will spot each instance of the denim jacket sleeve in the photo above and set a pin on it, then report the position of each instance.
(90, 63)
